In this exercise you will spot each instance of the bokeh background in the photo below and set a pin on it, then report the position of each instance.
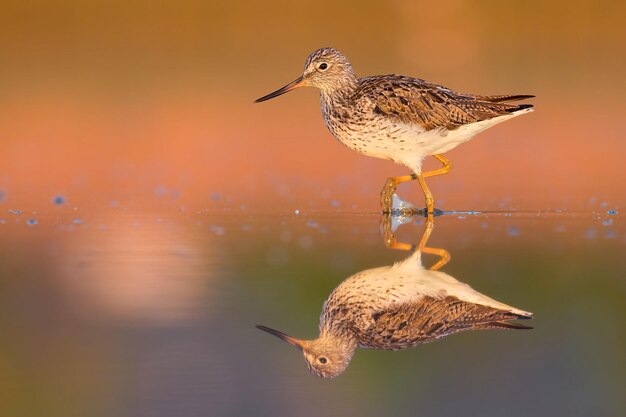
(122, 97)
(151, 214)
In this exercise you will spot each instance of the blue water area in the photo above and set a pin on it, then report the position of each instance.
(154, 314)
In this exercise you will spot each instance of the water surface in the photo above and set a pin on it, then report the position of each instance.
(134, 313)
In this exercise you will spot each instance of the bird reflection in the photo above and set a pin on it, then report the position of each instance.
(397, 307)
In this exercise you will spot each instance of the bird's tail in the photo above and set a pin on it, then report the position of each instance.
(505, 98)
(515, 109)
(503, 102)
(502, 325)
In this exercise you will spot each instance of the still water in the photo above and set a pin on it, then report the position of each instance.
(123, 312)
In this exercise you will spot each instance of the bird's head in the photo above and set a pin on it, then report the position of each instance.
(327, 69)
(326, 356)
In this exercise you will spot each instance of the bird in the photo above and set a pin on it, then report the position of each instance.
(397, 307)
(399, 118)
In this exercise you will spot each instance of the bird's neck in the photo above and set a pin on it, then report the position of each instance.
(340, 336)
(340, 91)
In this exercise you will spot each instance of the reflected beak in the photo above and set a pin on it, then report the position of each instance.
(291, 340)
(294, 84)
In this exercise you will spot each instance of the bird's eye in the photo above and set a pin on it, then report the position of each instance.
(322, 360)
(323, 66)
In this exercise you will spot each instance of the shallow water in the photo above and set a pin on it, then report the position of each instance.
(132, 313)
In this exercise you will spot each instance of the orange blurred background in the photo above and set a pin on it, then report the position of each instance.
(127, 129)
(113, 100)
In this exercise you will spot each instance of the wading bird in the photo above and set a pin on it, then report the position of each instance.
(399, 118)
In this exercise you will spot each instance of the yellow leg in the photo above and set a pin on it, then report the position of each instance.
(447, 166)
(386, 195)
(430, 202)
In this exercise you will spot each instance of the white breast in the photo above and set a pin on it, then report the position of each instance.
(406, 282)
(403, 143)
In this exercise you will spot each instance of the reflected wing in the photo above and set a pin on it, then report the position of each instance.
(429, 319)
(414, 101)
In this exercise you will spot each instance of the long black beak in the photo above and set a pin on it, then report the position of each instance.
(294, 84)
(291, 340)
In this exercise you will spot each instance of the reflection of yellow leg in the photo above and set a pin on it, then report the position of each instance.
(444, 257)
(386, 195)
(443, 254)
(392, 243)
(390, 239)
(429, 225)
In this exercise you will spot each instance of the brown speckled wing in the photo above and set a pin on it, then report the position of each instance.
(429, 319)
(431, 106)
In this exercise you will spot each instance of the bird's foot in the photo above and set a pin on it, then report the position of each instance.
(435, 212)
(386, 196)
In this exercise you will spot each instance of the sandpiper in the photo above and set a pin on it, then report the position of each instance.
(397, 307)
(399, 118)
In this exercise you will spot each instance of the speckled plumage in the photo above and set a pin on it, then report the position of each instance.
(405, 120)
(396, 117)
(397, 307)
(405, 305)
